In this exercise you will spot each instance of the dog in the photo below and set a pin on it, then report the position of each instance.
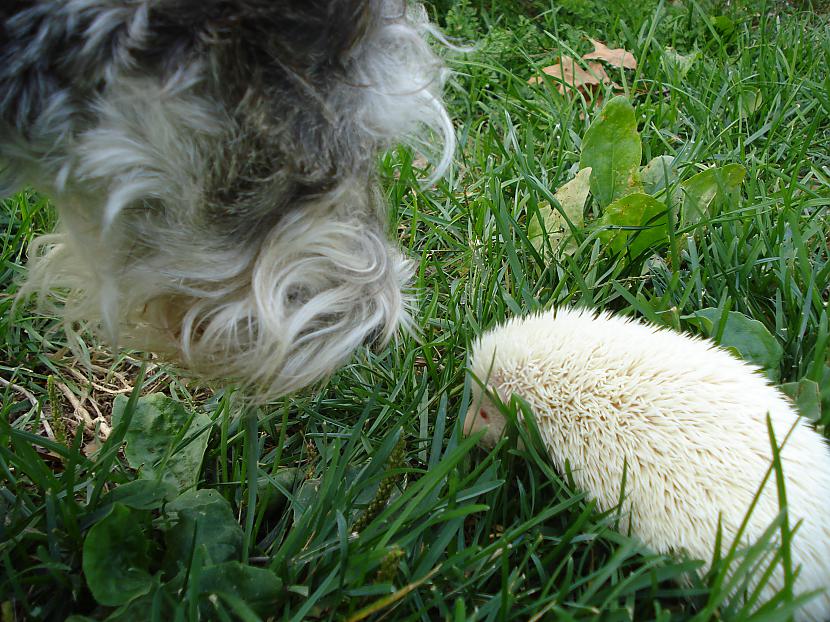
(213, 164)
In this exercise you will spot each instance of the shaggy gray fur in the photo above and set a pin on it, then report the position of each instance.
(213, 164)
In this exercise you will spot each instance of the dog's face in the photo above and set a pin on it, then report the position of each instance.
(213, 167)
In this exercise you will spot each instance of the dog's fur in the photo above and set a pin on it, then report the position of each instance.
(213, 166)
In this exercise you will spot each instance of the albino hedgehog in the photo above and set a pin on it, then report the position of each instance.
(686, 418)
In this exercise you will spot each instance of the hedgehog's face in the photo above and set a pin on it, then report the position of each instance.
(484, 415)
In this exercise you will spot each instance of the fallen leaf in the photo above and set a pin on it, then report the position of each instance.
(598, 70)
(570, 74)
(618, 57)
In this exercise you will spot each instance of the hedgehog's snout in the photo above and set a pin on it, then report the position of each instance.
(471, 421)
(477, 418)
(480, 416)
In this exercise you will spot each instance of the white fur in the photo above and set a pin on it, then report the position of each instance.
(686, 418)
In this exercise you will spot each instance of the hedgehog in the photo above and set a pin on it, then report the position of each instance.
(680, 421)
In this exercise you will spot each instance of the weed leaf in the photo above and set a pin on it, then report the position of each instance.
(571, 197)
(702, 190)
(679, 64)
(203, 518)
(258, 588)
(806, 395)
(137, 609)
(115, 557)
(613, 150)
(141, 494)
(645, 221)
(747, 337)
(749, 102)
(659, 174)
(158, 440)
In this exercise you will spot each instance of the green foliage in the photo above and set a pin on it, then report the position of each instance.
(387, 485)
(806, 395)
(659, 175)
(164, 440)
(202, 518)
(140, 494)
(463, 534)
(613, 150)
(116, 557)
(637, 223)
(203, 541)
(636, 203)
(556, 224)
(242, 587)
(748, 338)
(703, 190)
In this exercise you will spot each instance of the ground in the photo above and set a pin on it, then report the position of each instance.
(360, 499)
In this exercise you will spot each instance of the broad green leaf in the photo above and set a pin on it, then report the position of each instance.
(115, 557)
(824, 387)
(305, 497)
(749, 101)
(747, 337)
(806, 395)
(613, 150)
(203, 518)
(288, 478)
(571, 197)
(136, 610)
(142, 494)
(659, 174)
(645, 220)
(723, 25)
(158, 426)
(259, 588)
(701, 190)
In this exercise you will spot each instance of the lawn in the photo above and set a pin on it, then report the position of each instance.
(360, 498)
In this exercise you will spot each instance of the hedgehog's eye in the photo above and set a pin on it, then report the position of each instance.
(483, 414)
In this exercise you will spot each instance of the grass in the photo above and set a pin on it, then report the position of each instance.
(445, 530)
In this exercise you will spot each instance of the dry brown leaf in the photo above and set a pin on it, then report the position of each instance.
(91, 448)
(617, 57)
(571, 75)
(598, 70)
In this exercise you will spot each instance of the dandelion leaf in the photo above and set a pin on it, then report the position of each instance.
(613, 150)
